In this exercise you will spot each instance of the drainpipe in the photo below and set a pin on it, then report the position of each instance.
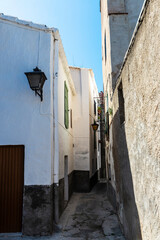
(56, 135)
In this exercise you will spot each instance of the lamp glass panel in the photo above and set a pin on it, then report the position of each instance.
(42, 80)
(34, 81)
(95, 127)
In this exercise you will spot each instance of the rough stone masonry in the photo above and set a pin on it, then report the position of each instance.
(88, 216)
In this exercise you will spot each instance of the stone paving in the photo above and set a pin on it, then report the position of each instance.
(87, 216)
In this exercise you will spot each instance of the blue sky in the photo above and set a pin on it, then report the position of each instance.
(79, 24)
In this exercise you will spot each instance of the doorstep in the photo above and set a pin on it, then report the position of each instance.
(12, 236)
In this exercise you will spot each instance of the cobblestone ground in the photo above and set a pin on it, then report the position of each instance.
(87, 216)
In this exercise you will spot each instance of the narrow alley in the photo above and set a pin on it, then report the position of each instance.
(87, 216)
(90, 216)
(80, 120)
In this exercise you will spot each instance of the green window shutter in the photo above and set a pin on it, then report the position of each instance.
(66, 114)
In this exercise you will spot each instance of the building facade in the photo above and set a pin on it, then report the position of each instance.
(118, 20)
(133, 147)
(28, 122)
(37, 154)
(85, 139)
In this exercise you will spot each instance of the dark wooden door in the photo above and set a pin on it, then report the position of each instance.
(11, 188)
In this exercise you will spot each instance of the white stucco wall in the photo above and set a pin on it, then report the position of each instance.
(83, 112)
(106, 63)
(24, 118)
(93, 96)
(65, 135)
(81, 119)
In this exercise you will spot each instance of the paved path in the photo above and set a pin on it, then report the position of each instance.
(87, 216)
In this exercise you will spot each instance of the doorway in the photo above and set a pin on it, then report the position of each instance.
(11, 188)
(66, 189)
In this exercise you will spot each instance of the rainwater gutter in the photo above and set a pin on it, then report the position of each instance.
(55, 132)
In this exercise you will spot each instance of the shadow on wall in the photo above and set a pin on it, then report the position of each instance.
(126, 205)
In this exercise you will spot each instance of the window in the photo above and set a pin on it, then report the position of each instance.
(107, 126)
(71, 118)
(109, 172)
(105, 47)
(66, 114)
(121, 104)
(95, 140)
(94, 107)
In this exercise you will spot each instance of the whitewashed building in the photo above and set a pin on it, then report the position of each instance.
(37, 137)
(85, 139)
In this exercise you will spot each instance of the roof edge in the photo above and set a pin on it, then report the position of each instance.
(25, 23)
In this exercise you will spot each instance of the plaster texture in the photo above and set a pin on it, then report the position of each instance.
(133, 148)
(140, 80)
(39, 126)
(65, 135)
(93, 116)
(85, 156)
(118, 20)
(22, 49)
(81, 116)
(35, 121)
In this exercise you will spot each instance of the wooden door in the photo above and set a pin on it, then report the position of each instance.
(11, 188)
(66, 179)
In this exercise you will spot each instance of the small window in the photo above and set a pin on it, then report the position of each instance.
(94, 107)
(105, 47)
(121, 104)
(107, 126)
(71, 117)
(66, 113)
(95, 140)
(109, 172)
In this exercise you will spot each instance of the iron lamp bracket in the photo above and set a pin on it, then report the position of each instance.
(39, 93)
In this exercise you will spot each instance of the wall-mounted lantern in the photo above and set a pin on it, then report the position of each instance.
(94, 126)
(36, 81)
(99, 110)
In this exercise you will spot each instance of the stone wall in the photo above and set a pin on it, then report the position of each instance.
(136, 131)
(118, 20)
(38, 210)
